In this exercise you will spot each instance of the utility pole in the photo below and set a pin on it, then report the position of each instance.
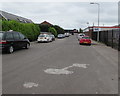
(98, 18)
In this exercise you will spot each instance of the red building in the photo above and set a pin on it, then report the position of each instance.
(88, 31)
(46, 23)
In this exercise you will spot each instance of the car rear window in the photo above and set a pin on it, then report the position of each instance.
(41, 35)
(60, 35)
(1, 36)
(81, 35)
(85, 37)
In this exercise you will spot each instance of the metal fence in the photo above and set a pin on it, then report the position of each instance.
(109, 37)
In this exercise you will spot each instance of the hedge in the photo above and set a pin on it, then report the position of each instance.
(30, 30)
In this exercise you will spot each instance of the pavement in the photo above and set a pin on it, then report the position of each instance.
(61, 67)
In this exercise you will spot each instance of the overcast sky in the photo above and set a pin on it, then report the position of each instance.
(68, 15)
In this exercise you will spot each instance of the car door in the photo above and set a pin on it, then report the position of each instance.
(16, 39)
(23, 40)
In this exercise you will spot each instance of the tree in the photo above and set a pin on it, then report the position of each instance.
(80, 30)
(44, 28)
(0, 24)
(53, 31)
(59, 29)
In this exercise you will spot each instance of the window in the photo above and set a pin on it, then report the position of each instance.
(86, 37)
(27, 22)
(42, 35)
(9, 36)
(8, 19)
(20, 20)
(1, 36)
(21, 36)
(16, 36)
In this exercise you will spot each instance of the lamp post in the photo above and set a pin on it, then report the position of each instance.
(98, 18)
(87, 24)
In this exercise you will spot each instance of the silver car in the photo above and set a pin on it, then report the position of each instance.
(53, 37)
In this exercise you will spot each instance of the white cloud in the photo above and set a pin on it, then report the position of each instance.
(65, 14)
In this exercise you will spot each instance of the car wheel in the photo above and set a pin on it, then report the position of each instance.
(27, 46)
(10, 49)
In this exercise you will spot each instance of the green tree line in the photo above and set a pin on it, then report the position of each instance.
(54, 29)
(30, 30)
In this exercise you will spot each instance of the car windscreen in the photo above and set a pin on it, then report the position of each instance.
(1, 36)
(60, 35)
(47, 35)
(81, 35)
(85, 37)
(41, 35)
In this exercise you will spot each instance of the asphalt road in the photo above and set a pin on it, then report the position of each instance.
(61, 67)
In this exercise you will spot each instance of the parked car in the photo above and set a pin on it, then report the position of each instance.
(72, 33)
(61, 36)
(80, 36)
(67, 34)
(44, 38)
(11, 40)
(53, 37)
(85, 40)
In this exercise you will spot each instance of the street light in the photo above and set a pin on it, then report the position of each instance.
(87, 24)
(98, 18)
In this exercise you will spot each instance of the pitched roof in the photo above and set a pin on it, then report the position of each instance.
(45, 23)
(9, 16)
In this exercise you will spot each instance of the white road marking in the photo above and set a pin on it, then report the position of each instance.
(77, 65)
(96, 92)
(80, 65)
(30, 85)
(64, 70)
(33, 93)
(57, 71)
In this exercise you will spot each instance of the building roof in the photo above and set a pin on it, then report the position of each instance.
(9, 16)
(100, 28)
(105, 27)
(45, 23)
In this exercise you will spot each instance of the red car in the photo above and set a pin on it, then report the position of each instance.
(85, 40)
